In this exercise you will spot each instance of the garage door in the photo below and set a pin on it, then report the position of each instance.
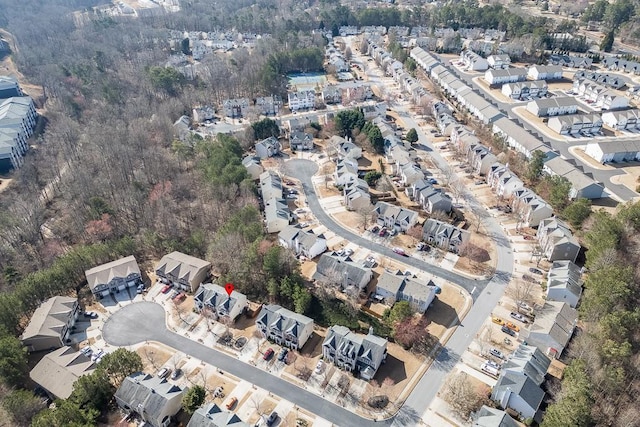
(122, 287)
(132, 283)
(104, 293)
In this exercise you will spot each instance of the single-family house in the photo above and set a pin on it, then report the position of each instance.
(57, 371)
(552, 328)
(184, 271)
(553, 106)
(516, 391)
(335, 269)
(556, 240)
(203, 113)
(300, 141)
(360, 354)
(305, 243)
(404, 286)
(545, 72)
(493, 417)
(210, 415)
(270, 185)
(564, 283)
(235, 108)
(284, 327)
(268, 147)
(154, 400)
(499, 61)
(181, 128)
(300, 100)
(395, 217)
(443, 235)
(50, 324)
(113, 277)
(530, 208)
(213, 300)
(276, 215)
(253, 166)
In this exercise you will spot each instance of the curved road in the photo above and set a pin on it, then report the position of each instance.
(303, 170)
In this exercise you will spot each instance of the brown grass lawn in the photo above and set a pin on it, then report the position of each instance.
(154, 356)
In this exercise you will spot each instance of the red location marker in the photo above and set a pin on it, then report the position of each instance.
(229, 288)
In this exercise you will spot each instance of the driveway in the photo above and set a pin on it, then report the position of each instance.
(145, 321)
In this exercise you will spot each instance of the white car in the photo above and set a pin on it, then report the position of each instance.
(97, 355)
(319, 367)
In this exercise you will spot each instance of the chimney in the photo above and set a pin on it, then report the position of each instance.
(370, 330)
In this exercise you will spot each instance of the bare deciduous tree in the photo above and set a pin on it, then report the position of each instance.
(460, 393)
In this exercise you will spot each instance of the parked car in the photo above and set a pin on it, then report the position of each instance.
(497, 353)
(518, 316)
(140, 289)
(348, 252)
(512, 326)
(496, 319)
(523, 305)
(90, 314)
(181, 297)
(217, 392)
(399, 251)
(87, 351)
(268, 354)
(508, 331)
(174, 294)
(535, 270)
(375, 229)
(432, 181)
(479, 182)
(232, 403)
(492, 363)
(383, 232)
(393, 232)
(164, 373)
(420, 246)
(272, 418)
(490, 369)
(527, 237)
(166, 289)
(283, 354)
(319, 367)
(176, 374)
(97, 355)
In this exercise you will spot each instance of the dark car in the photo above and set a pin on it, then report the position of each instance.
(90, 314)
(272, 418)
(508, 331)
(535, 270)
(375, 229)
(529, 279)
(268, 354)
(283, 354)
(176, 374)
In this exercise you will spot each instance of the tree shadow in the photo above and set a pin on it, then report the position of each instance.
(445, 360)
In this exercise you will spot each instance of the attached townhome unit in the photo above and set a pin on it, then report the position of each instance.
(472, 61)
(576, 124)
(610, 80)
(394, 217)
(276, 215)
(210, 415)
(570, 61)
(478, 106)
(404, 286)
(356, 195)
(235, 108)
(183, 271)
(17, 121)
(113, 277)
(545, 72)
(50, 324)
(57, 371)
(346, 172)
(300, 100)
(552, 328)
(599, 96)
(154, 400)
(344, 149)
(614, 151)
(480, 158)
(360, 354)
(9, 87)
(270, 185)
(339, 270)
(203, 113)
(553, 106)
(519, 385)
(424, 59)
(582, 185)
(564, 283)
(331, 95)
(269, 105)
(443, 235)
(503, 182)
(253, 166)
(301, 141)
(502, 76)
(410, 173)
(20, 108)
(619, 64)
(284, 327)
(213, 300)
(499, 61)
(301, 242)
(530, 208)
(431, 199)
(268, 147)
(622, 120)
(493, 417)
(526, 89)
(557, 241)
